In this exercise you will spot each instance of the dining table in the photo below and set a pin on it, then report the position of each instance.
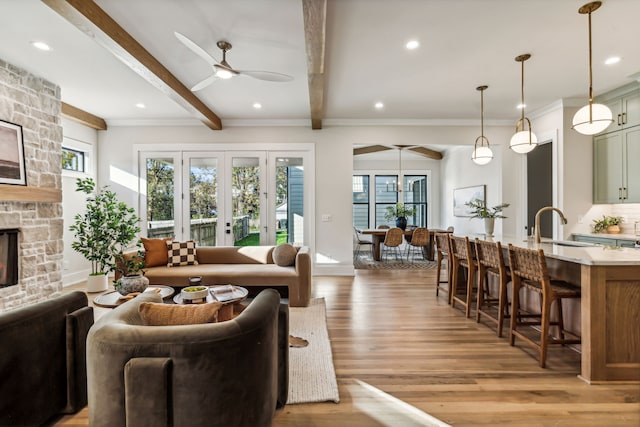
(378, 235)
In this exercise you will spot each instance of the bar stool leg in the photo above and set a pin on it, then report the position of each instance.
(544, 333)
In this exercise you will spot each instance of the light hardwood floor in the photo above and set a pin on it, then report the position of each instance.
(395, 343)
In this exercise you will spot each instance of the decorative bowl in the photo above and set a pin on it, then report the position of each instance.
(194, 293)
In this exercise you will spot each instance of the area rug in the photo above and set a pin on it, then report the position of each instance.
(370, 264)
(312, 376)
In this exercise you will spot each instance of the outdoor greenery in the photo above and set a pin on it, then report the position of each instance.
(398, 211)
(480, 209)
(106, 228)
(600, 225)
(253, 239)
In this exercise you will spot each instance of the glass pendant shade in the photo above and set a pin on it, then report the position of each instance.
(482, 155)
(601, 118)
(523, 142)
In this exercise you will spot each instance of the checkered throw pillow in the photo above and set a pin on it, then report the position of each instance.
(182, 253)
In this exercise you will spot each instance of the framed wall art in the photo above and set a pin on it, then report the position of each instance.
(12, 164)
(464, 195)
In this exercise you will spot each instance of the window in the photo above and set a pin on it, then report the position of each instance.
(361, 201)
(386, 195)
(73, 160)
(415, 195)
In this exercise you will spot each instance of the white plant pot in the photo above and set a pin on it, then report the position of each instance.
(488, 226)
(98, 283)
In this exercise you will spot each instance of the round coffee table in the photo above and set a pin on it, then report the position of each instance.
(112, 299)
(227, 299)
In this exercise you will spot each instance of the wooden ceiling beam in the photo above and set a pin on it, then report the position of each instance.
(83, 117)
(315, 22)
(89, 18)
(370, 149)
(426, 152)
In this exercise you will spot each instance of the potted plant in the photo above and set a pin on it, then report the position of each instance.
(132, 274)
(101, 234)
(399, 212)
(610, 224)
(479, 209)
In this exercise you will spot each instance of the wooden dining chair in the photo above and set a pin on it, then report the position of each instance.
(392, 241)
(360, 242)
(419, 240)
(492, 305)
(529, 271)
(443, 253)
(462, 256)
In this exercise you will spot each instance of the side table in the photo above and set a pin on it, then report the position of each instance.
(112, 299)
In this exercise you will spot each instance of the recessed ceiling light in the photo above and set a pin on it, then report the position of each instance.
(521, 106)
(257, 105)
(612, 60)
(379, 105)
(412, 44)
(41, 46)
(141, 105)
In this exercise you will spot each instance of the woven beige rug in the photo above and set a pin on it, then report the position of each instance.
(312, 376)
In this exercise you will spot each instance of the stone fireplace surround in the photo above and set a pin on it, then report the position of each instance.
(33, 103)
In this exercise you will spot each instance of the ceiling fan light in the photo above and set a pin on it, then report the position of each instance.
(223, 72)
(601, 118)
(482, 155)
(523, 142)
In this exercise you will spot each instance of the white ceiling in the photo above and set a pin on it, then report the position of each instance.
(464, 43)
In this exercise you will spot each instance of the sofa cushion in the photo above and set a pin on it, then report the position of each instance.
(155, 251)
(284, 255)
(159, 314)
(181, 253)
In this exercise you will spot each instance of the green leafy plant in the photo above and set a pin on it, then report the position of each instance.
(480, 210)
(398, 211)
(600, 225)
(106, 228)
(131, 265)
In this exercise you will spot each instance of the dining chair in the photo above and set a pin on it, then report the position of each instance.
(360, 241)
(461, 256)
(529, 271)
(419, 240)
(443, 252)
(492, 305)
(392, 241)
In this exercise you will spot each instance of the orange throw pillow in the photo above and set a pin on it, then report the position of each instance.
(156, 251)
(159, 314)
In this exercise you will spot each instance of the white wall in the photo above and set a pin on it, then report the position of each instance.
(75, 135)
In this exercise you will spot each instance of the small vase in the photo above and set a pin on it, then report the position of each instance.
(613, 229)
(132, 283)
(488, 226)
(401, 223)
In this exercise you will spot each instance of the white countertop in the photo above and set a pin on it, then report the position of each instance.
(586, 255)
(618, 236)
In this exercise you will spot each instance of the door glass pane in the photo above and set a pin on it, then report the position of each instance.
(386, 195)
(245, 199)
(415, 196)
(203, 200)
(160, 197)
(289, 200)
(361, 201)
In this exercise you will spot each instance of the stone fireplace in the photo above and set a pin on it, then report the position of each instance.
(36, 209)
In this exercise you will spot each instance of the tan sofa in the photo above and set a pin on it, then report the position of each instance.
(247, 266)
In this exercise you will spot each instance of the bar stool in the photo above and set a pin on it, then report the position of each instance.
(443, 252)
(491, 262)
(529, 271)
(461, 256)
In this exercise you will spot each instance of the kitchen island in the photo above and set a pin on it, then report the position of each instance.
(609, 278)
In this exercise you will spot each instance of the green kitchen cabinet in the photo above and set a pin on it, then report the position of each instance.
(616, 167)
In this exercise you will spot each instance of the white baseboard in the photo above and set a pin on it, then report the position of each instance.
(75, 277)
(333, 270)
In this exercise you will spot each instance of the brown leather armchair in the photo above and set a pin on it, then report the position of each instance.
(231, 373)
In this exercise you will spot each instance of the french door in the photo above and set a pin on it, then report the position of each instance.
(241, 198)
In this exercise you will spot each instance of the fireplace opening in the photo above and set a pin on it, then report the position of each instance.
(8, 257)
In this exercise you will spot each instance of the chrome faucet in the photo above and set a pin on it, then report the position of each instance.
(537, 220)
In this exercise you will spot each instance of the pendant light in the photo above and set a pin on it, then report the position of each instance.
(591, 118)
(523, 140)
(481, 155)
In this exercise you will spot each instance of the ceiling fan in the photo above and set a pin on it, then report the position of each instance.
(222, 69)
(423, 151)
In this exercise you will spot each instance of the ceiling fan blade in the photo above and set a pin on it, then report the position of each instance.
(267, 75)
(426, 152)
(204, 83)
(370, 149)
(196, 49)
